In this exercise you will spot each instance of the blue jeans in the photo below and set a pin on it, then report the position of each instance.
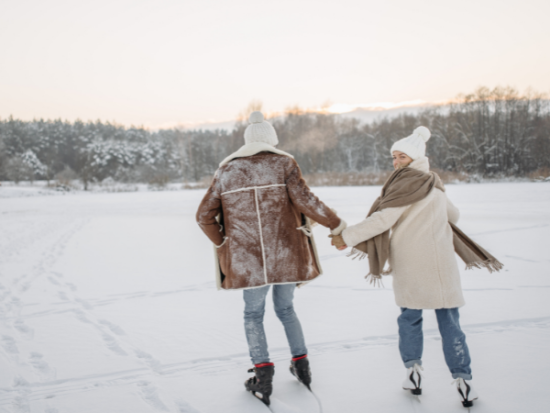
(455, 349)
(254, 309)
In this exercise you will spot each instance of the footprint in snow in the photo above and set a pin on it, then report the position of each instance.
(24, 330)
(151, 362)
(71, 286)
(113, 327)
(9, 344)
(4, 295)
(148, 393)
(85, 304)
(14, 305)
(112, 344)
(81, 316)
(184, 407)
(20, 402)
(42, 368)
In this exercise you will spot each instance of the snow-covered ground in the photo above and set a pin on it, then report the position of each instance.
(108, 304)
(41, 188)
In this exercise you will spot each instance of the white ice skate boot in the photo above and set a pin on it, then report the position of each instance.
(465, 391)
(413, 381)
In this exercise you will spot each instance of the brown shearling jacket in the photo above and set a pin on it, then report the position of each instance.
(253, 212)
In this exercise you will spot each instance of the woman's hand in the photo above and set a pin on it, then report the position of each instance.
(338, 242)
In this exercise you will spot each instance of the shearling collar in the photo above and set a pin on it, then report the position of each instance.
(422, 164)
(252, 149)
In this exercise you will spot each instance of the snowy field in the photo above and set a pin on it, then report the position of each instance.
(108, 304)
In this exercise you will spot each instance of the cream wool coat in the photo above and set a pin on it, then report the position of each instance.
(422, 257)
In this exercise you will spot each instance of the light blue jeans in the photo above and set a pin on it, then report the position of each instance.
(254, 309)
(455, 349)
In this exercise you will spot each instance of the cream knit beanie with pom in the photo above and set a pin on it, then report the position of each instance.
(413, 145)
(259, 130)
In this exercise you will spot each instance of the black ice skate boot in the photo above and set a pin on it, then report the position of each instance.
(262, 382)
(299, 367)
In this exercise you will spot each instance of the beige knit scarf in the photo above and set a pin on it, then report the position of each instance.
(405, 187)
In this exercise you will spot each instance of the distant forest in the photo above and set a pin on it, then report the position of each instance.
(489, 133)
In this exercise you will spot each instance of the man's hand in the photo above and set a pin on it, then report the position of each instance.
(338, 242)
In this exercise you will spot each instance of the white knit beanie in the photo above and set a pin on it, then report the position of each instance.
(259, 130)
(413, 145)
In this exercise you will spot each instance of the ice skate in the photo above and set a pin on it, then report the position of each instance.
(465, 391)
(413, 381)
(299, 367)
(262, 382)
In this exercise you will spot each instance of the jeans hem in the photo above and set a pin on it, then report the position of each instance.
(261, 361)
(464, 376)
(411, 363)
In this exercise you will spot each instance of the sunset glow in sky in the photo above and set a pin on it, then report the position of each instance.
(168, 62)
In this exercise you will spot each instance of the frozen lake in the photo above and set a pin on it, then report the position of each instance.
(108, 304)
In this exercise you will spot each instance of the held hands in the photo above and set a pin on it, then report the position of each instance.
(336, 235)
(338, 242)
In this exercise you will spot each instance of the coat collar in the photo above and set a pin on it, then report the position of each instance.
(252, 149)
(421, 164)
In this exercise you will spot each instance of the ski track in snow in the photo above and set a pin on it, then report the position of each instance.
(47, 240)
(149, 394)
(116, 298)
(12, 301)
(22, 392)
(184, 407)
(206, 366)
(112, 335)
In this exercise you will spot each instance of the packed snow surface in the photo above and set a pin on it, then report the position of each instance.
(108, 304)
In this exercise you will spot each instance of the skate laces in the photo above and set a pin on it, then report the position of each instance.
(465, 391)
(417, 368)
(457, 382)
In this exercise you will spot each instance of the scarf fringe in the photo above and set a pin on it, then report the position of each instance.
(355, 253)
(375, 280)
(490, 265)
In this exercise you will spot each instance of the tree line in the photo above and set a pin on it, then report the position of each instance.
(497, 132)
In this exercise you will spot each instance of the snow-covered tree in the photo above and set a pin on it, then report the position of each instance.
(31, 160)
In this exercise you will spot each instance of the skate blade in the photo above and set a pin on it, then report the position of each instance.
(264, 398)
(300, 381)
(414, 392)
(468, 404)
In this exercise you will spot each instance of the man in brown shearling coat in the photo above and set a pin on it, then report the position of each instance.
(257, 213)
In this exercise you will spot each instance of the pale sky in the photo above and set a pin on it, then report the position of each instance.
(165, 62)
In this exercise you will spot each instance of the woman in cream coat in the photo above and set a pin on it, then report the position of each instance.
(424, 268)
